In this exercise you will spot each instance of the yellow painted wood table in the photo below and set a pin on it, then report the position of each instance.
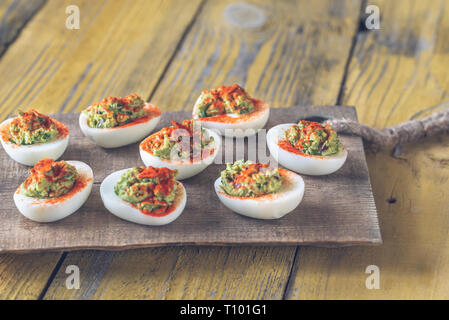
(285, 52)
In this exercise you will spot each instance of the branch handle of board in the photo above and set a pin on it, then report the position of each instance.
(395, 136)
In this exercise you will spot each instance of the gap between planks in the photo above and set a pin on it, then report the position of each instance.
(4, 33)
(178, 46)
(358, 30)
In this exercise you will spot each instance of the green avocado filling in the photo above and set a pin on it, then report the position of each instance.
(151, 190)
(181, 141)
(224, 100)
(49, 179)
(113, 111)
(249, 179)
(32, 127)
(313, 138)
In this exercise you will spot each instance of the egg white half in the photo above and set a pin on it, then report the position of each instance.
(126, 211)
(309, 164)
(49, 210)
(269, 206)
(29, 155)
(119, 136)
(242, 126)
(186, 168)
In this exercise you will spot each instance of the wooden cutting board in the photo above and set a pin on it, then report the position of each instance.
(337, 210)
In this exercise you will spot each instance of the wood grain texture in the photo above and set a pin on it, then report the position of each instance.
(24, 277)
(117, 50)
(289, 52)
(347, 217)
(164, 273)
(14, 15)
(285, 61)
(397, 73)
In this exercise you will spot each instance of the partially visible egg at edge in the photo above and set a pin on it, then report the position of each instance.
(120, 136)
(304, 164)
(29, 155)
(238, 126)
(124, 210)
(269, 206)
(54, 209)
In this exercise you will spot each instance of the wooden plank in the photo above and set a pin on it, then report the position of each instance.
(25, 276)
(285, 61)
(117, 50)
(347, 217)
(14, 15)
(168, 273)
(397, 73)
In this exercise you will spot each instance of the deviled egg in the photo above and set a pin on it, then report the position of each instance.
(307, 147)
(185, 147)
(116, 122)
(54, 190)
(258, 191)
(33, 136)
(149, 196)
(231, 111)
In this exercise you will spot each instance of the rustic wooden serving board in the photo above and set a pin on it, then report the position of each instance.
(337, 210)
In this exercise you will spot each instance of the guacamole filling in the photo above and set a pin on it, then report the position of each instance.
(181, 141)
(113, 111)
(49, 179)
(32, 127)
(151, 190)
(313, 138)
(249, 179)
(225, 100)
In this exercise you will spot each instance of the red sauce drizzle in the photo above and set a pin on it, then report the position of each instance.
(286, 145)
(164, 175)
(152, 112)
(259, 107)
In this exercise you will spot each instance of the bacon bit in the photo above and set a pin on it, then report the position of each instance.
(42, 167)
(164, 175)
(216, 100)
(248, 173)
(5, 132)
(152, 112)
(181, 126)
(309, 128)
(122, 101)
(224, 93)
(63, 131)
(259, 107)
(286, 180)
(163, 211)
(80, 184)
(231, 93)
(151, 172)
(30, 120)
